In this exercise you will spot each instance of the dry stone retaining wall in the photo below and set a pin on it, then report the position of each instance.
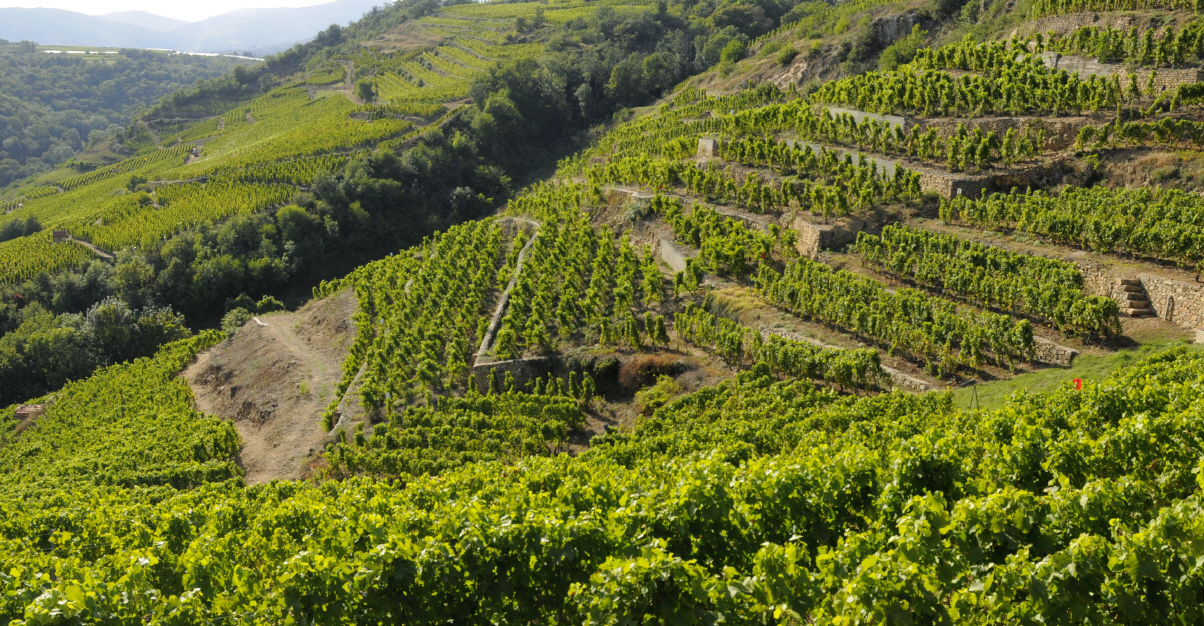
(1177, 301)
(524, 371)
(813, 237)
(1163, 78)
(1060, 132)
(1064, 24)
(1054, 354)
(1098, 280)
(949, 185)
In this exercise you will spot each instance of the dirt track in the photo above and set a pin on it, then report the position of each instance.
(273, 379)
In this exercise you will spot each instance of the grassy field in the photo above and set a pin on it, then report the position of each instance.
(1092, 368)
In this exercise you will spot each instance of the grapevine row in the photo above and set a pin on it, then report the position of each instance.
(992, 277)
(937, 333)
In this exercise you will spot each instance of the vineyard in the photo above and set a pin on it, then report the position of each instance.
(794, 482)
(130, 425)
(327, 75)
(224, 156)
(808, 338)
(1156, 223)
(1046, 289)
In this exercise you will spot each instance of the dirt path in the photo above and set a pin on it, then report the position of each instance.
(273, 379)
(100, 253)
(495, 322)
(348, 89)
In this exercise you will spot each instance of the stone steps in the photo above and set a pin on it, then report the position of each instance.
(1133, 301)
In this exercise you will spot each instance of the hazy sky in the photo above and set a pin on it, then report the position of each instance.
(191, 10)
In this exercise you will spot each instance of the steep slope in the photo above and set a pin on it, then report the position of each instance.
(272, 380)
(332, 154)
(960, 218)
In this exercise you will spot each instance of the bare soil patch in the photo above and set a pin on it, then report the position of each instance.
(273, 379)
(693, 370)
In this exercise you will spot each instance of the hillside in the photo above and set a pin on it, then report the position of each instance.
(628, 313)
(268, 180)
(53, 107)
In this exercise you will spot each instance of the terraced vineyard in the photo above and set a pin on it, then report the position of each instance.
(286, 138)
(800, 342)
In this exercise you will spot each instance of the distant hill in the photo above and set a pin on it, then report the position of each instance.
(260, 31)
(149, 21)
(264, 31)
(56, 26)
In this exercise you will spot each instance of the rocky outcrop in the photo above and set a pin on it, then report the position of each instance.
(889, 29)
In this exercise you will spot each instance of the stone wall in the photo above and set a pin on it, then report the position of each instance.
(1166, 79)
(949, 185)
(1175, 301)
(1060, 132)
(1054, 354)
(524, 371)
(839, 232)
(1098, 280)
(861, 116)
(1064, 24)
(1163, 78)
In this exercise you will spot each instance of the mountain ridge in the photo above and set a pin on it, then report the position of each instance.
(147, 20)
(261, 31)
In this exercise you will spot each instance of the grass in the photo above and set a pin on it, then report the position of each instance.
(1089, 367)
(731, 302)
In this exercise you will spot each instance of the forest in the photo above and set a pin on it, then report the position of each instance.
(54, 106)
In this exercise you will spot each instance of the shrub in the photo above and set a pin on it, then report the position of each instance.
(652, 398)
(366, 90)
(902, 51)
(1164, 173)
(235, 320)
(770, 47)
(786, 55)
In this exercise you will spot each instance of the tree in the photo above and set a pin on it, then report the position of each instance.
(303, 231)
(366, 90)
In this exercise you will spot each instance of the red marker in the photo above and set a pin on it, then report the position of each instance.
(1078, 384)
